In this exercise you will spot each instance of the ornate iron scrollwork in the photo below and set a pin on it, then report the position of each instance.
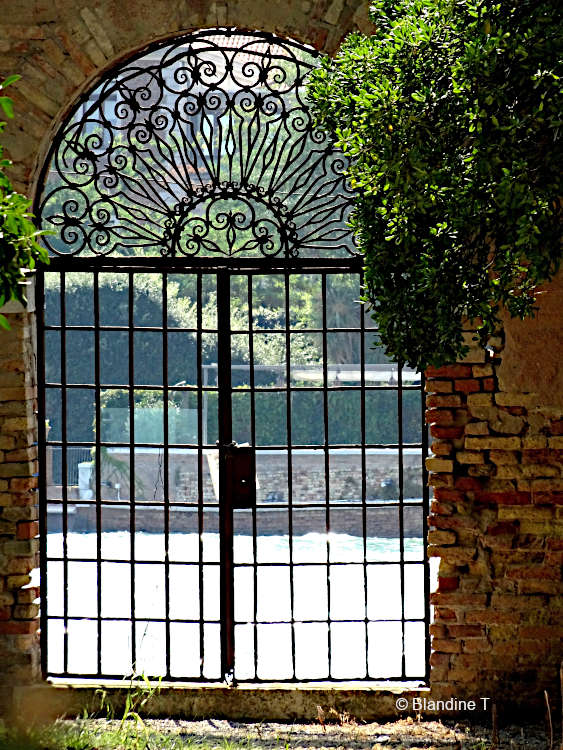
(201, 146)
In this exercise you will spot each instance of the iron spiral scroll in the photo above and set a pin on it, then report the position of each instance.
(202, 146)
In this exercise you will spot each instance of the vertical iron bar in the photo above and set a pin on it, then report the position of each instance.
(64, 469)
(253, 443)
(98, 464)
(327, 465)
(401, 509)
(201, 441)
(425, 513)
(132, 465)
(225, 501)
(289, 469)
(42, 455)
(364, 467)
(165, 483)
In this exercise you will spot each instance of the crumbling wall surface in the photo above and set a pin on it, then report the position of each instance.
(19, 547)
(497, 515)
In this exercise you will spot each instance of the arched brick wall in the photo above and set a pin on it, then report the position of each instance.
(496, 420)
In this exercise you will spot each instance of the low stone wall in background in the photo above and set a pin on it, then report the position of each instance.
(380, 522)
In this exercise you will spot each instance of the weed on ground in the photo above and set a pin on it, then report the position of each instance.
(135, 733)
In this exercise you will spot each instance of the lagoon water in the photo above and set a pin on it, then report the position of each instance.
(371, 651)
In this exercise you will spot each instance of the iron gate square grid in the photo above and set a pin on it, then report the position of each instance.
(222, 626)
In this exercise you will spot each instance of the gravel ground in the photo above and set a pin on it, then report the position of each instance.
(406, 733)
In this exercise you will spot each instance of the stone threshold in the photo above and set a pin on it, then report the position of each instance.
(364, 701)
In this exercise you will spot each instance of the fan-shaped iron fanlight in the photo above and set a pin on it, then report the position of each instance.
(201, 146)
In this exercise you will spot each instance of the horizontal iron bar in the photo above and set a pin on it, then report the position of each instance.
(182, 264)
(308, 621)
(194, 446)
(313, 681)
(234, 389)
(195, 563)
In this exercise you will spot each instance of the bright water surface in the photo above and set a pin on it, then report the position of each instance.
(348, 600)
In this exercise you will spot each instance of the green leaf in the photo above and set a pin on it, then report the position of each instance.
(9, 80)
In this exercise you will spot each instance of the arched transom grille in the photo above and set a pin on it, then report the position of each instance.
(202, 146)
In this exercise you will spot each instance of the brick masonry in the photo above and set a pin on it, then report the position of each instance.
(497, 423)
(19, 546)
(496, 525)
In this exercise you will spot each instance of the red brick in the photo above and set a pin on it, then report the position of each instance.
(542, 572)
(445, 433)
(441, 448)
(466, 631)
(439, 660)
(503, 527)
(5, 613)
(27, 529)
(548, 498)
(446, 495)
(458, 598)
(467, 386)
(21, 627)
(466, 523)
(504, 498)
(443, 613)
(28, 595)
(490, 617)
(476, 646)
(441, 509)
(440, 401)
(488, 384)
(546, 632)
(21, 484)
(449, 371)
(468, 484)
(448, 583)
(557, 427)
(439, 416)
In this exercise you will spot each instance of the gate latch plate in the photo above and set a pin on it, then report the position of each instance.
(240, 476)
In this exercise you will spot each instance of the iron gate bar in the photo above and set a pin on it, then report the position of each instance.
(98, 465)
(250, 304)
(225, 504)
(42, 455)
(327, 469)
(199, 314)
(425, 514)
(165, 488)
(132, 487)
(62, 282)
(401, 516)
(364, 470)
(288, 417)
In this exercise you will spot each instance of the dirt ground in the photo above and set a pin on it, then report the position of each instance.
(406, 733)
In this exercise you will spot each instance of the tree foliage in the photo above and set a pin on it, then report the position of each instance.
(18, 246)
(451, 113)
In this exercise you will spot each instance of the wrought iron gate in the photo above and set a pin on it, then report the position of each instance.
(253, 506)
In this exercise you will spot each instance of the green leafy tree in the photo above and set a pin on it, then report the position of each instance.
(18, 246)
(451, 113)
